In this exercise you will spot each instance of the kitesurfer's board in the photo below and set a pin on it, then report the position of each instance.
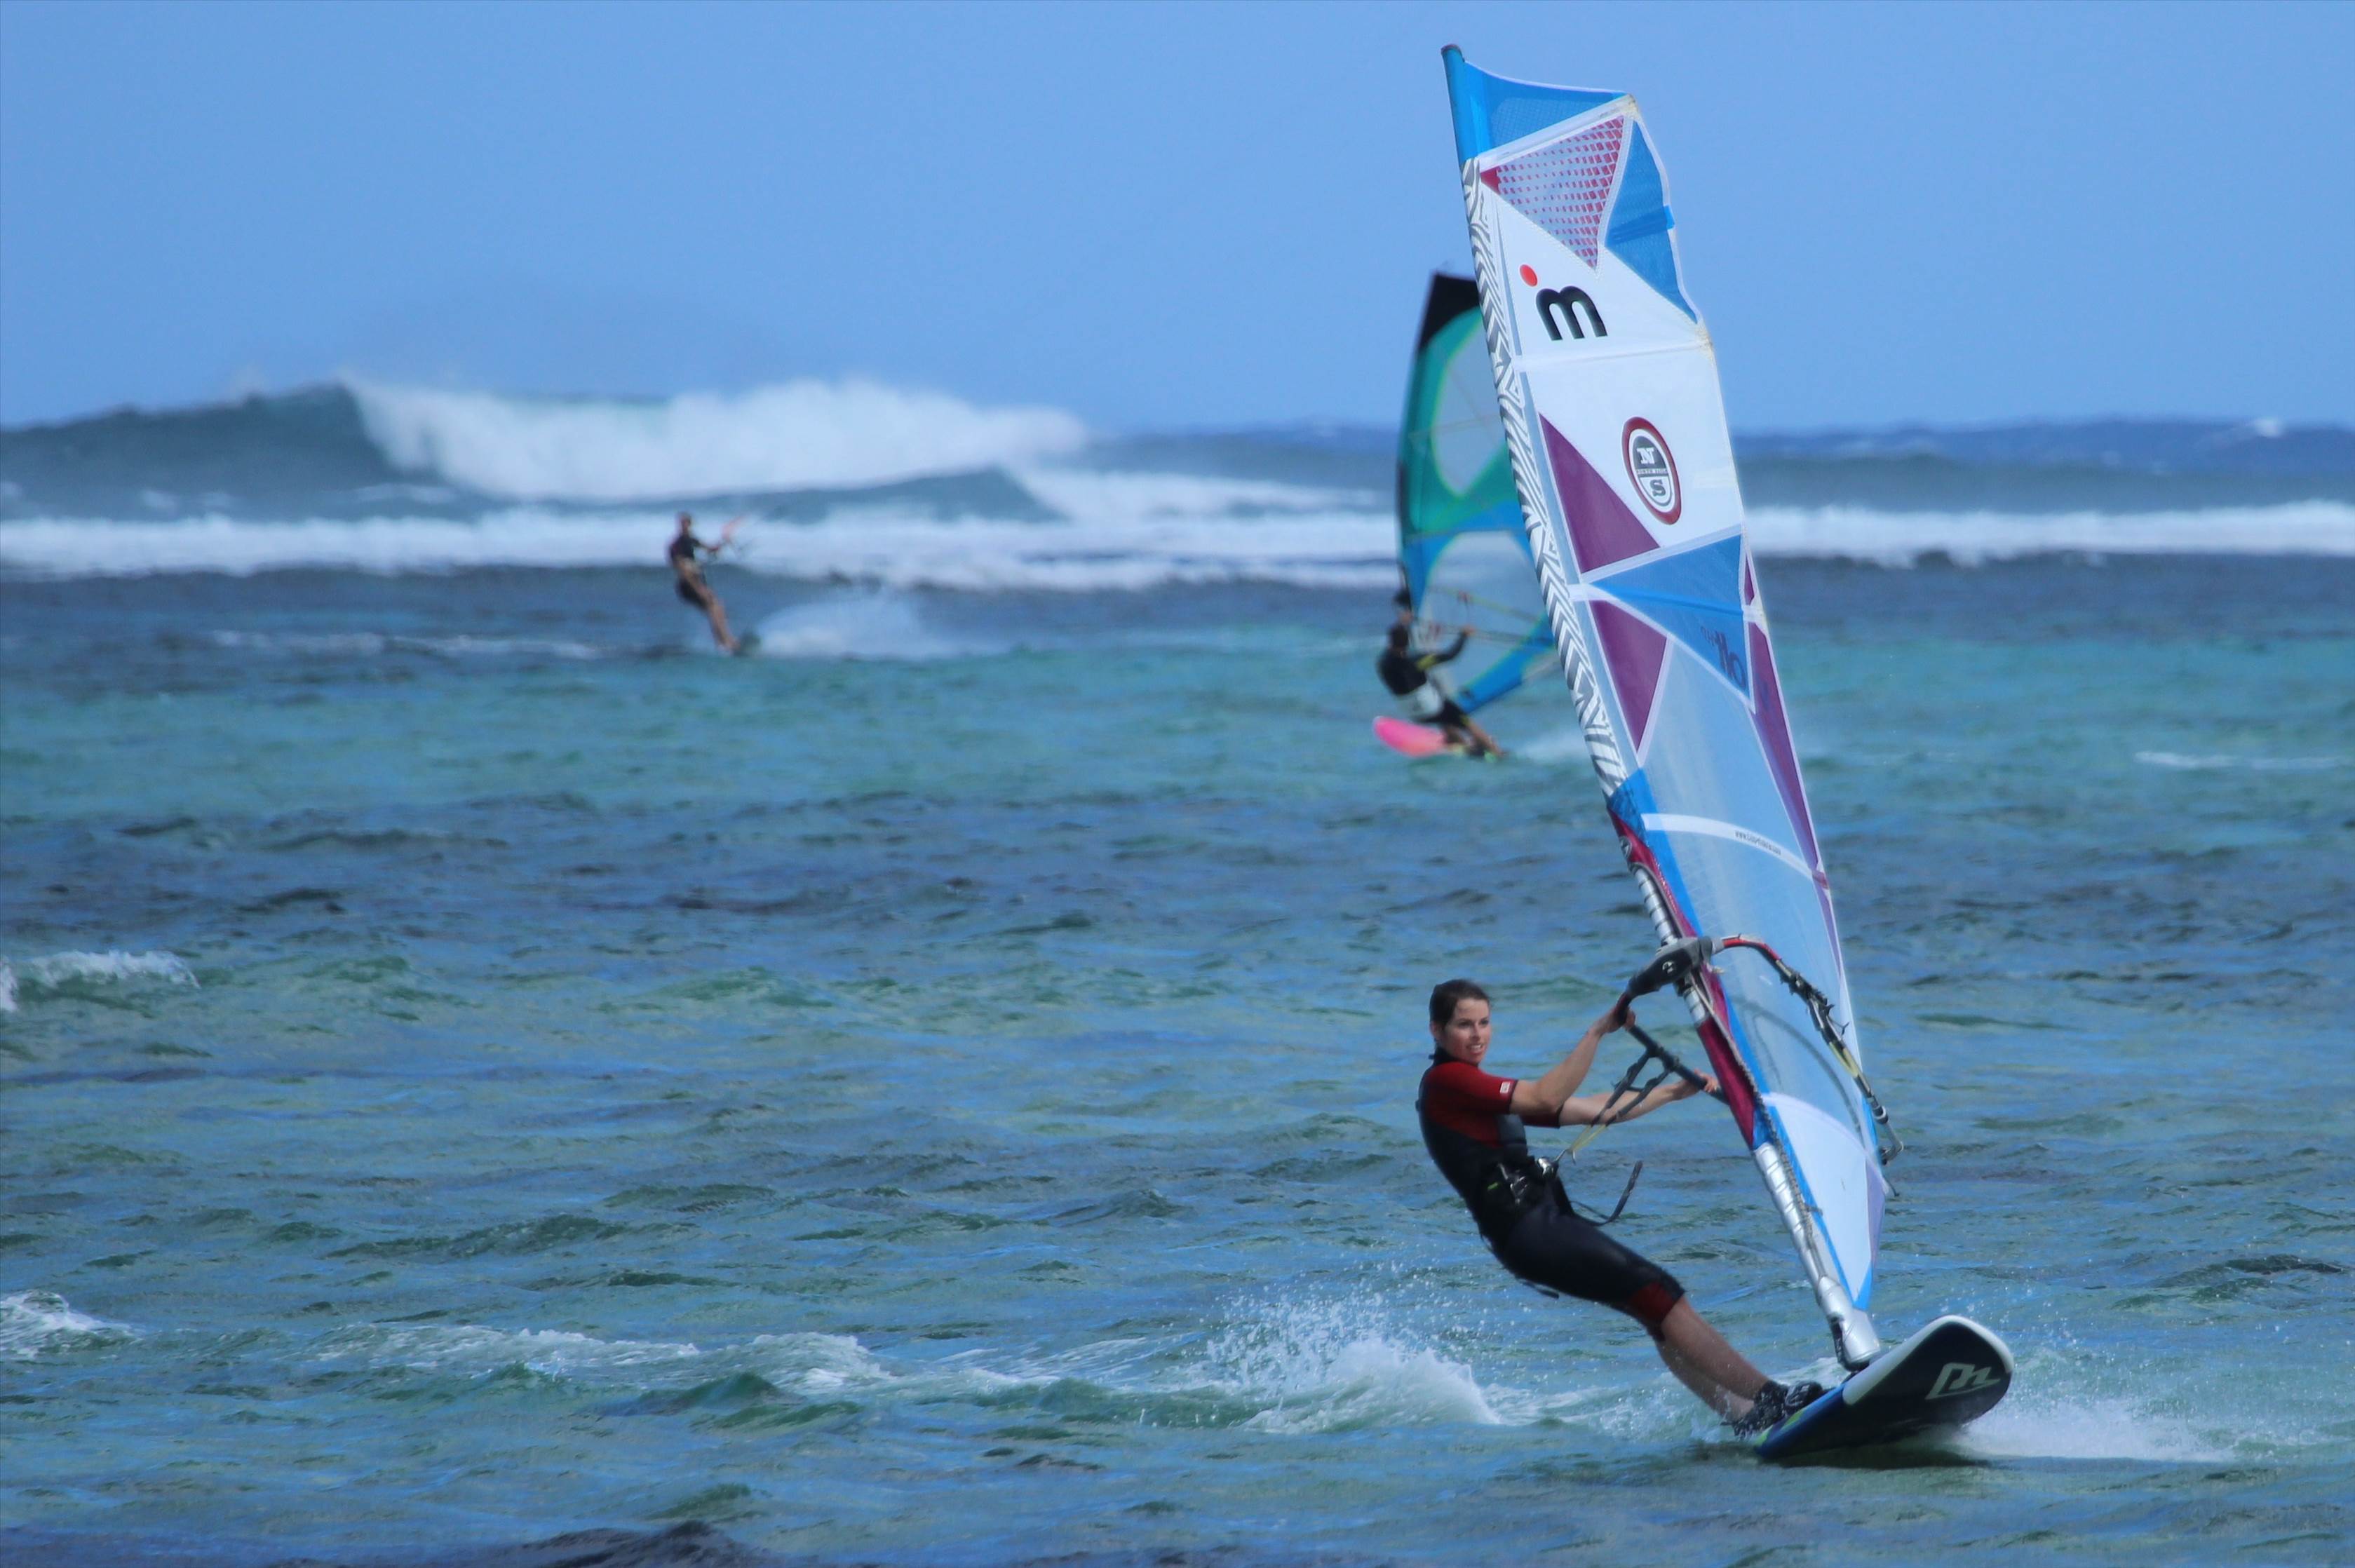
(746, 644)
(1951, 1372)
(1410, 740)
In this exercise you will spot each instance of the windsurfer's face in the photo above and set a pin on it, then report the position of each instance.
(1466, 1035)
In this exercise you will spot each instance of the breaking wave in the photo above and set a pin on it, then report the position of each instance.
(1110, 533)
(68, 971)
(796, 435)
(37, 1323)
(2305, 528)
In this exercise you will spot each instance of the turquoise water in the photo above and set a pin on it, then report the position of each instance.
(478, 1071)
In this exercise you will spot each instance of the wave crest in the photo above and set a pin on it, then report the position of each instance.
(62, 971)
(37, 1323)
(795, 435)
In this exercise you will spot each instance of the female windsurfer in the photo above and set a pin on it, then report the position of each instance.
(1473, 1124)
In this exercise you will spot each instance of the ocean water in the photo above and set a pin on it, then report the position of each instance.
(475, 1069)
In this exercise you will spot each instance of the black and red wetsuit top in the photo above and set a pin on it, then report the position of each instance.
(1483, 1150)
(1477, 1141)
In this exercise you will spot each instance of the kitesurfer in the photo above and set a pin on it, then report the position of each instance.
(689, 579)
(1408, 675)
(1473, 1124)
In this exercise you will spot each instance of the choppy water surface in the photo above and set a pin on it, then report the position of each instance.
(474, 1072)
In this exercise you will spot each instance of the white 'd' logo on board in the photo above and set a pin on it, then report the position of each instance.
(1652, 469)
(1958, 1378)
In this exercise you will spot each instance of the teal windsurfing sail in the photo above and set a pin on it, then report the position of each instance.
(1462, 553)
(1608, 393)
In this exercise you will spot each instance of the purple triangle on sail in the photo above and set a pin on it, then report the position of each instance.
(1601, 528)
(1634, 652)
(1775, 734)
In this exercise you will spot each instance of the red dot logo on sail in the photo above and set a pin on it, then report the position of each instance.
(1529, 274)
(1652, 469)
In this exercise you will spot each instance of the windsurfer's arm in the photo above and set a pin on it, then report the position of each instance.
(1428, 661)
(1543, 1101)
(1586, 1108)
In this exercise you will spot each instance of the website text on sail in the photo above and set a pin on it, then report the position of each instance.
(1607, 383)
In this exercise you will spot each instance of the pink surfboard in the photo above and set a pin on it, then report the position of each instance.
(1408, 739)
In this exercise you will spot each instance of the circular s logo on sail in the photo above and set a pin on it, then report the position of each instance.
(1652, 469)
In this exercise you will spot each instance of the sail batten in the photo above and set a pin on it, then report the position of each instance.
(1607, 392)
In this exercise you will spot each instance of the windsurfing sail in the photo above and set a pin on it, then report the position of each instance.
(1463, 554)
(1607, 388)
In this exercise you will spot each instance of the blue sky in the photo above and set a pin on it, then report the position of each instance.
(1157, 216)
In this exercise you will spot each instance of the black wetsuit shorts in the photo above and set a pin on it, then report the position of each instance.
(686, 592)
(1554, 1249)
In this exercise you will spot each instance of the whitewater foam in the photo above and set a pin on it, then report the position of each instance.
(1852, 533)
(1113, 495)
(2182, 762)
(473, 1347)
(349, 644)
(869, 625)
(819, 1364)
(1116, 532)
(58, 970)
(875, 546)
(795, 435)
(37, 1323)
(1338, 1364)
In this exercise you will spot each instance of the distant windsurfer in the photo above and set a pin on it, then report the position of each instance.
(1408, 675)
(1473, 1124)
(692, 589)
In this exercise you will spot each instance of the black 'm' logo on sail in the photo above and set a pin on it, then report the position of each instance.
(1569, 302)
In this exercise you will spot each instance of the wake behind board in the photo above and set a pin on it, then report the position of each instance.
(1951, 1372)
(1410, 740)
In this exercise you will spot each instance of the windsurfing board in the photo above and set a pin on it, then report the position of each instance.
(1953, 1371)
(1410, 739)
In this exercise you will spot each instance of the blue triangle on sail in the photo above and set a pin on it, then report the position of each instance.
(1640, 222)
(1491, 110)
(1695, 596)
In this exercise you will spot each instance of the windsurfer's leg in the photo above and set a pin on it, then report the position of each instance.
(1488, 741)
(1703, 1361)
(718, 613)
(1560, 1251)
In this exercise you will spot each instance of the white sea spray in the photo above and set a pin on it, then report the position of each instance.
(40, 1323)
(57, 970)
